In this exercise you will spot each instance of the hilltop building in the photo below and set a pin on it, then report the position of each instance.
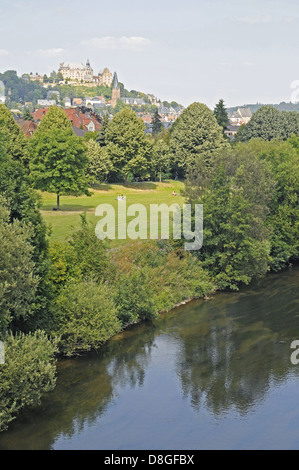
(76, 71)
(104, 77)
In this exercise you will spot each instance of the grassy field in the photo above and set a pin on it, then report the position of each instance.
(64, 221)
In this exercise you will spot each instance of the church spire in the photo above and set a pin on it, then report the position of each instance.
(115, 84)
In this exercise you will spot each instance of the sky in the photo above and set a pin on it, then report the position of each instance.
(184, 51)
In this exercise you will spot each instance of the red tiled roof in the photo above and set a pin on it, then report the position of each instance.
(78, 119)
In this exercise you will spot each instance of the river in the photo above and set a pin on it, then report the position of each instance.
(213, 374)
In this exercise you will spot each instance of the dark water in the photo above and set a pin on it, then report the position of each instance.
(213, 374)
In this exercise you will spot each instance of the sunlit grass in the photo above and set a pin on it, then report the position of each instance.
(67, 219)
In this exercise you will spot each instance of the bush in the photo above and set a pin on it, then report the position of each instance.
(29, 372)
(85, 316)
(152, 277)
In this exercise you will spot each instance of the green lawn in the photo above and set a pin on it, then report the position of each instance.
(64, 221)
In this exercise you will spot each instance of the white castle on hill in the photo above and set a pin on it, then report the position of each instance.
(84, 73)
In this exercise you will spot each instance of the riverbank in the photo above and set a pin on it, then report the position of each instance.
(208, 375)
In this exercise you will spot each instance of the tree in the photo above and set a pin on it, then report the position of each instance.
(221, 115)
(17, 280)
(23, 205)
(283, 217)
(160, 161)
(101, 134)
(58, 159)
(14, 141)
(29, 372)
(85, 316)
(99, 164)
(236, 245)
(55, 118)
(156, 123)
(128, 148)
(27, 116)
(194, 138)
(265, 124)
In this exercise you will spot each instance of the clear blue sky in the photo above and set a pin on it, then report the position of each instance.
(243, 52)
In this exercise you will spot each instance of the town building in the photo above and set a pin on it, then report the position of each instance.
(133, 101)
(85, 121)
(240, 116)
(231, 131)
(35, 78)
(46, 103)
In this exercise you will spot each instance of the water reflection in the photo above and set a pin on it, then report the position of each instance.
(223, 355)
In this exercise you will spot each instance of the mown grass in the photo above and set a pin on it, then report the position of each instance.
(67, 219)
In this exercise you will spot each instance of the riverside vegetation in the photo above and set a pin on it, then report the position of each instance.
(64, 297)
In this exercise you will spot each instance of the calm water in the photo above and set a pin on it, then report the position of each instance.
(210, 375)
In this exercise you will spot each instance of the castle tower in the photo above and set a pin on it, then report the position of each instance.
(115, 90)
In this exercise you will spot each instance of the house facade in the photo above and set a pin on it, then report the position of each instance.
(241, 116)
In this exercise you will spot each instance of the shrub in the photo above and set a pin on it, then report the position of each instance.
(28, 372)
(85, 316)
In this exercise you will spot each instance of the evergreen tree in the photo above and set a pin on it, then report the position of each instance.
(157, 125)
(221, 115)
(27, 116)
(101, 134)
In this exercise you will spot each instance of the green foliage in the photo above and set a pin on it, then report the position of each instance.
(58, 160)
(128, 148)
(221, 114)
(160, 161)
(23, 205)
(101, 134)
(99, 164)
(152, 277)
(157, 124)
(236, 246)
(194, 139)
(29, 372)
(22, 91)
(17, 279)
(14, 142)
(133, 298)
(85, 316)
(27, 116)
(54, 119)
(283, 218)
(84, 257)
(268, 123)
